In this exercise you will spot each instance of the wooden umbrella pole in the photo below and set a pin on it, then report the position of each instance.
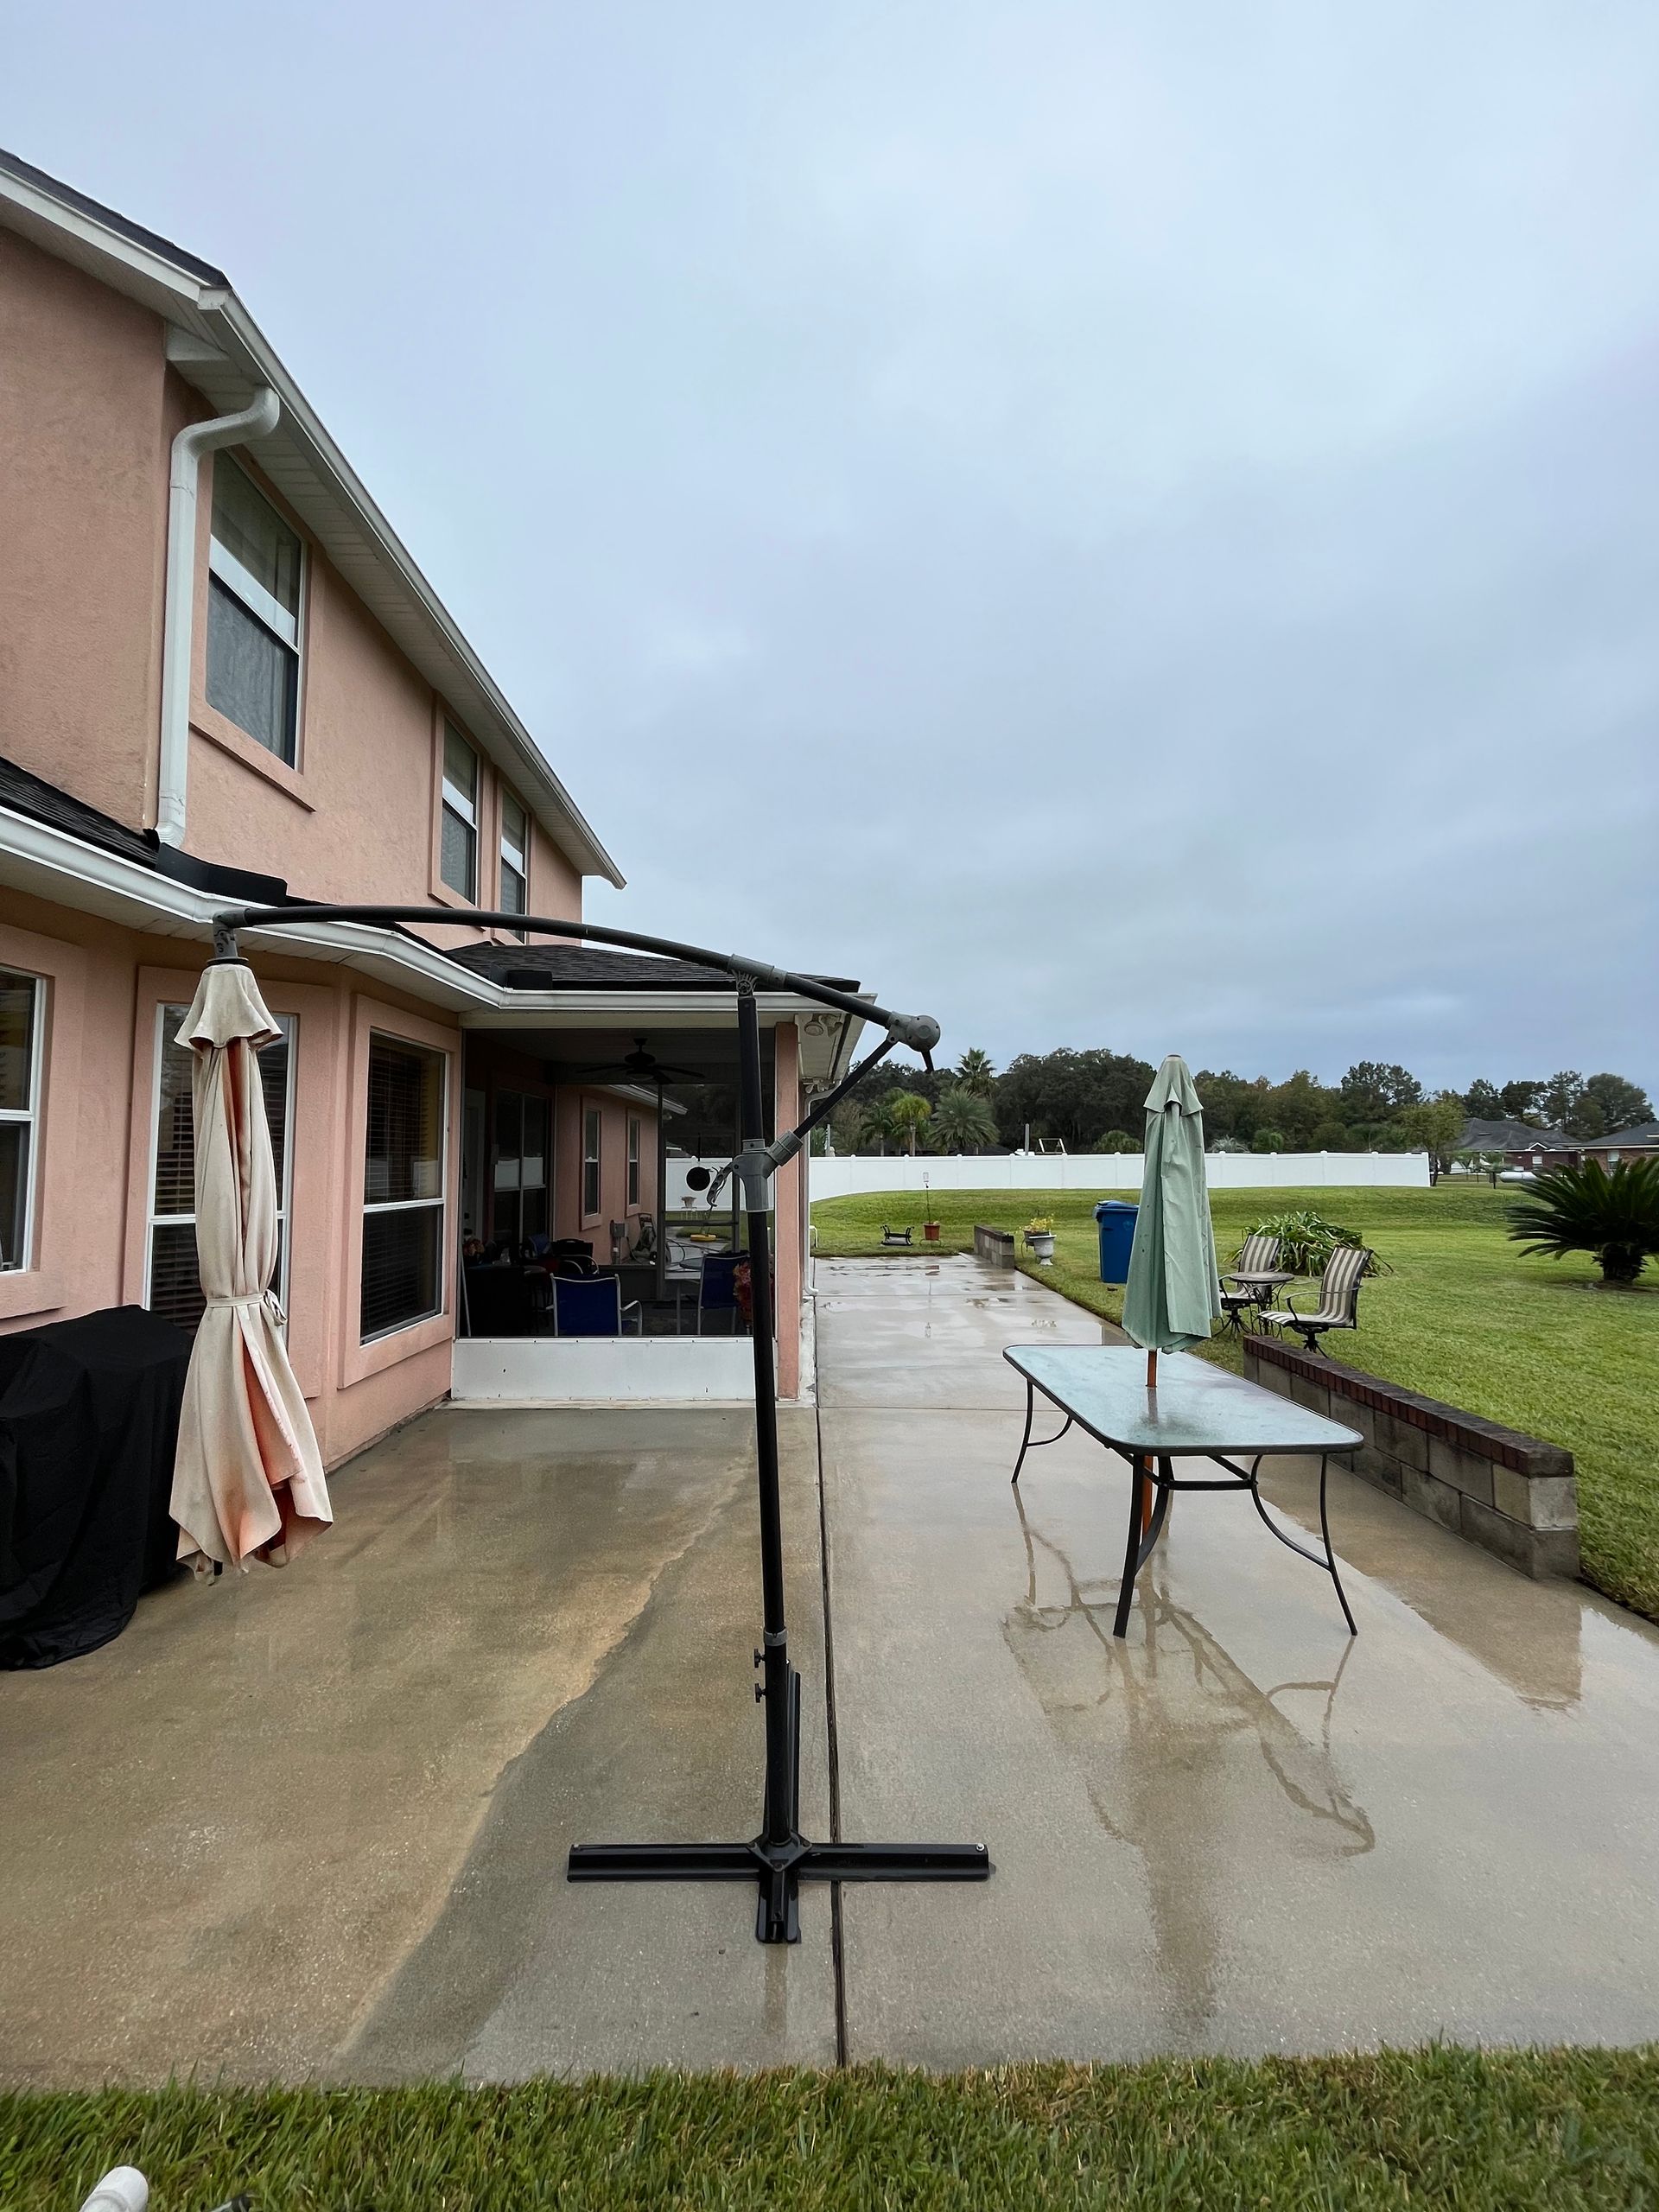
(1151, 1371)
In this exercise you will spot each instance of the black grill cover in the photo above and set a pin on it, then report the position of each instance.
(89, 1420)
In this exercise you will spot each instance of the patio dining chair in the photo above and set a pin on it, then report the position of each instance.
(592, 1307)
(717, 1287)
(1257, 1254)
(1338, 1306)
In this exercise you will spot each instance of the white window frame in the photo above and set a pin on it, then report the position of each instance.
(288, 630)
(289, 1024)
(636, 1151)
(455, 801)
(515, 859)
(30, 1118)
(411, 1206)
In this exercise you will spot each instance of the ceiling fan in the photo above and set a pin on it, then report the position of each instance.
(641, 1065)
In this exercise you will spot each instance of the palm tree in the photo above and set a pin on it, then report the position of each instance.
(876, 1124)
(1614, 1216)
(963, 1121)
(908, 1110)
(975, 1072)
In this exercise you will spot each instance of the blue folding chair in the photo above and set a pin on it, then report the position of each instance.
(591, 1306)
(717, 1287)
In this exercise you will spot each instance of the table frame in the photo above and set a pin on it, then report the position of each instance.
(1158, 1469)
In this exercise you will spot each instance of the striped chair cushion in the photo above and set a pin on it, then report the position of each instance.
(1339, 1284)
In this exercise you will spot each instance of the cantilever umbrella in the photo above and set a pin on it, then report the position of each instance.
(1173, 1293)
(247, 1480)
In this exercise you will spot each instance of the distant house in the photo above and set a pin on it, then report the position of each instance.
(1522, 1145)
(1639, 1143)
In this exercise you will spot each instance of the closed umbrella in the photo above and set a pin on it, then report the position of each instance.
(248, 1480)
(1173, 1293)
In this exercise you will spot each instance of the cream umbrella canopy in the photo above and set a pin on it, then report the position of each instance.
(247, 1480)
(1173, 1294)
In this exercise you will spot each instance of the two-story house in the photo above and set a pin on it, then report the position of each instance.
(223, 678)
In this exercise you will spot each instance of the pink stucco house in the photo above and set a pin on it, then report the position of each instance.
(223, 678)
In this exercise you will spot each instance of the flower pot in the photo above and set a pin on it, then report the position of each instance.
(1040, 1242)
(930, 1230)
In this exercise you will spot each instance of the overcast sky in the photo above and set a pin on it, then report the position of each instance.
(1118, 526)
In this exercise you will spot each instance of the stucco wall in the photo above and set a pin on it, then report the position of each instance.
(106, 987)
(83, 442)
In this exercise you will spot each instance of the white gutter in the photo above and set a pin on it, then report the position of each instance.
(178, 619)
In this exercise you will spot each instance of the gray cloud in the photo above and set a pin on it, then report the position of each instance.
(1120, 525)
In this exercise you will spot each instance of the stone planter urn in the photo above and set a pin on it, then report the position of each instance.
(1040, 1242)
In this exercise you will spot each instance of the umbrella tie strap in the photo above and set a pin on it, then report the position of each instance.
(254, 1298)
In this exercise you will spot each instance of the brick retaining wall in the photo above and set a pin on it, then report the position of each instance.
(1512, 1495)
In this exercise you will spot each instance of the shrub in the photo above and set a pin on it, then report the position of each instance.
(1306, 1240)
(1118, 1140)
(1614, 1216)
(1268, 1140)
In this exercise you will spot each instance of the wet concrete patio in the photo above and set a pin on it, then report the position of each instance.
(314, 1824)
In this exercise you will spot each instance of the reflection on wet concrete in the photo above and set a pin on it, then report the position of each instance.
(1150, 1726)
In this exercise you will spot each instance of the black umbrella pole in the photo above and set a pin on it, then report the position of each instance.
(781, 1858)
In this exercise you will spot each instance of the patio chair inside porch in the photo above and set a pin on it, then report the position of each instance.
(717, 1289)
(591, 1307)
(1338, 1306)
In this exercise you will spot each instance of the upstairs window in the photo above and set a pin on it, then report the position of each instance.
(20, 998)
(458, 848)
(515, 857)
(255, 563)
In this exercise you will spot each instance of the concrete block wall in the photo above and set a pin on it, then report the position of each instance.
(1514, 1496)
(993, 1246)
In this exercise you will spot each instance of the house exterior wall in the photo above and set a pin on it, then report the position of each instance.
(84, 444)
(105, 988)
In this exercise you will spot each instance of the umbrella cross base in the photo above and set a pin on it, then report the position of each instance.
(780, 1869)
(781, 1858)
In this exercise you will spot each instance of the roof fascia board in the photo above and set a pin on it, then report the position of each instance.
(48, 863)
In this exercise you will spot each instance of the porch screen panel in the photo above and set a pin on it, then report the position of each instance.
(174, 1287)
(403, 1188)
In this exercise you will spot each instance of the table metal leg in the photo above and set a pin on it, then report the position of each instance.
(1132, 1553)
(1025, 1443)
(1329, 1562)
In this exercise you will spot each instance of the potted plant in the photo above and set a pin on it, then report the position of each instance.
(930, 1227)
(1039, 1240)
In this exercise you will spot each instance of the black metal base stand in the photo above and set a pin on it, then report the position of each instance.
(781, 1858)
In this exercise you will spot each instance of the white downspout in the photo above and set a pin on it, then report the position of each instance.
(178, 616)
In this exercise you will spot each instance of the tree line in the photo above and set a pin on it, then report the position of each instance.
(1092, 1101)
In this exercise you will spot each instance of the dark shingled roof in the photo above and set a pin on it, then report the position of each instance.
(25, 172)
(590, 968)
(27, 794)
(1513, 1136)
(1640, 1134)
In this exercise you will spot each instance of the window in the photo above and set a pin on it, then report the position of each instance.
(633, 1160)
(515, 857)
(22, 1011)
(172, 1283)
(403, 1188)
(458, 848)
(590, 1163)
(254, 562)
(518, 1205)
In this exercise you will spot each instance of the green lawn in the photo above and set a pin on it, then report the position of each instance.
(1439, 2130)
(1464, 1317)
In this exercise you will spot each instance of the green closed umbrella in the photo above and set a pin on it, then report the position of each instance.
(1173, 1294)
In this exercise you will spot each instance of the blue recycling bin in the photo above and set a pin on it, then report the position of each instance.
(1115, 1218)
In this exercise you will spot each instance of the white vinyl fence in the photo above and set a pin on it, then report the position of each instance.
(834, 1177)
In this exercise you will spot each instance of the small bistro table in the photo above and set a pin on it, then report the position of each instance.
(1262, 1286)
(1196, 1411)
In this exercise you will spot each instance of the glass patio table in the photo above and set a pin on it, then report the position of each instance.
(1195, 1411)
